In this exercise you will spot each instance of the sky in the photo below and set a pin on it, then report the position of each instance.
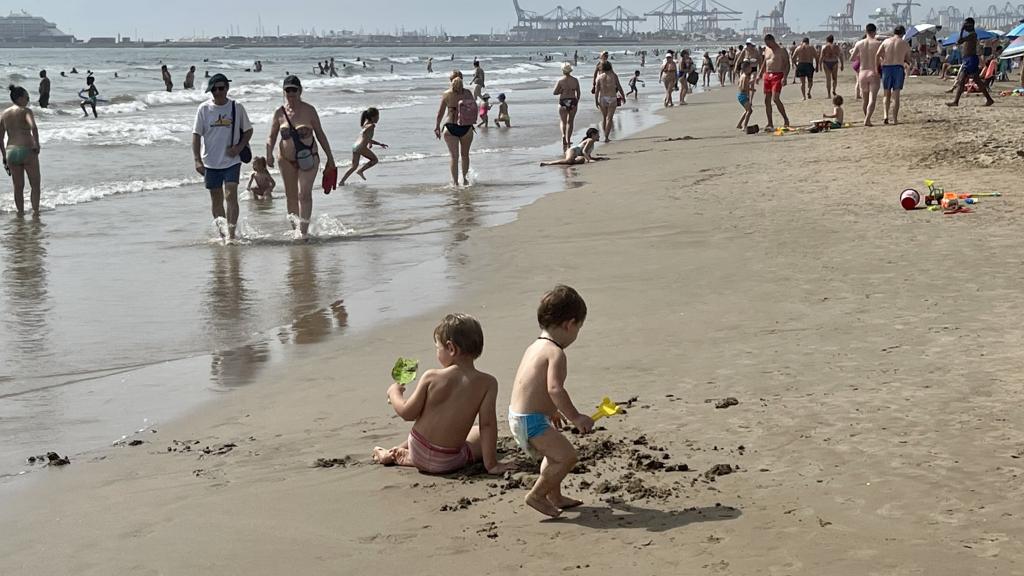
(159, 19)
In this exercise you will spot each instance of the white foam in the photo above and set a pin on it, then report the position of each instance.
(114, 132)
(71, 195)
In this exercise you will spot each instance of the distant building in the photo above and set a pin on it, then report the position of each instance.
(31, 30)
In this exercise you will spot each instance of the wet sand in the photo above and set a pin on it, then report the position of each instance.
(872, 352)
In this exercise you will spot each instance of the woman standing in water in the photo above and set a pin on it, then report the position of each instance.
(568, 91)
(19, 145)
(458, 130)
(299, 126)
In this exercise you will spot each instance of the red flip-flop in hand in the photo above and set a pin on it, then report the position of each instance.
(330, 181)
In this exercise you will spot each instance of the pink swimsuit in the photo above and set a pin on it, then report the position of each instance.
(434, 459)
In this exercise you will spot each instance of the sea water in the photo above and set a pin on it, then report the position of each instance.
(121, 308)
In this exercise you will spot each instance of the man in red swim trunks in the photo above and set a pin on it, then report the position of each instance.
(774, 69)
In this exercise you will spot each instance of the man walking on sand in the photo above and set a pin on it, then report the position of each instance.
(868, 82)
(222, 130)
(894, 54)
(775, 70)
(806, 58)
(971, 67)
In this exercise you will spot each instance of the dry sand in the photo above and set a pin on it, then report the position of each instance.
(872, 352)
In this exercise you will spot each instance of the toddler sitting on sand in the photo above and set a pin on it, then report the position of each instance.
(444, 405)
(540, 403)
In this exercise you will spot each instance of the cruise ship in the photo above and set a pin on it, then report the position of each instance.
(23, 29)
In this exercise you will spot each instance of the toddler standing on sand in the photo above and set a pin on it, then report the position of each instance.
(444, 405)
(540, 403)
(745, 96)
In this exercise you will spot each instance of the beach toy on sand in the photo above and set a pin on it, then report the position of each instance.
(330, 180)
(909, 199)
(404, 370)
(606, 408)
(950, 201)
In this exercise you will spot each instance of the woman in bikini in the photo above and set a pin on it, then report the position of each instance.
(669, 77)
(568, 91)
(457, 135)
(299, 126)
(19, 145)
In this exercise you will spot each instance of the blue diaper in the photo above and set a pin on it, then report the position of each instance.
(526, 426)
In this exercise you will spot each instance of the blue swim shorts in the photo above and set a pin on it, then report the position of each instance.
(216, 178)
(893, 77)
(971, 65)
(742, 98)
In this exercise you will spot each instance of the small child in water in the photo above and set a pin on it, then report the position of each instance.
(485, 107)
(368, 120)
(837, 112)
(540, 403)
(580, 153)
(745, 96)
(632, 85)
(502, 113)
(445, 404)
(261, 183)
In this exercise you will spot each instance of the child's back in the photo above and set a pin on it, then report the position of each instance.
(454, 397)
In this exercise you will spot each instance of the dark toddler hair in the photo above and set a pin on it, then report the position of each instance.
(463, 331)
(17, 92)
(560, 305)
(838, 100)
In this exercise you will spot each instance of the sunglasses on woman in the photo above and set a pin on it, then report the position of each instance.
(291, 90)
(219, 88)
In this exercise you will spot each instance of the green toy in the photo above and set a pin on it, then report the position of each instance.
(404, 371)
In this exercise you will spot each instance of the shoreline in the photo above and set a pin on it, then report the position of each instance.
(710, 271)
(151, 394)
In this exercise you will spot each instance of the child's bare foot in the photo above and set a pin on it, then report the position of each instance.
(542, 505)
(382, 456)
(564, 502)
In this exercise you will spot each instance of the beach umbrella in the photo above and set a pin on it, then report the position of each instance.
(1016, 32)
(982, 35)
(921, 29)
(1015, 49)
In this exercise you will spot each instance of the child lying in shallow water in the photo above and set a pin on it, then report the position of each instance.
(580, 153)
(445, 404)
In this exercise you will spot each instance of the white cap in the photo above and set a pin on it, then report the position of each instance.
(751, 42)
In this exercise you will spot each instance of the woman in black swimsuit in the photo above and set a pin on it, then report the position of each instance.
(458, 136)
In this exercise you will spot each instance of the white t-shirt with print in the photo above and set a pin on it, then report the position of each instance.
(213, 123)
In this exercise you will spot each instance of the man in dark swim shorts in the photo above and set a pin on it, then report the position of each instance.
(806, 59)
(971, 67)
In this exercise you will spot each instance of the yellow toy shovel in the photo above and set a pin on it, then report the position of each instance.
(607, 408)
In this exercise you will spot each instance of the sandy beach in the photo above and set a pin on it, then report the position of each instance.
(871, 351)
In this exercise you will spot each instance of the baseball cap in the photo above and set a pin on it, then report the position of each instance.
(216, 79)
(750, 41)
(292, 81)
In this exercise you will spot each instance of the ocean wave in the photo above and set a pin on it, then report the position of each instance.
(114, 132)
(174, 98)
(522, 68)
(71, 195)
(403, 59)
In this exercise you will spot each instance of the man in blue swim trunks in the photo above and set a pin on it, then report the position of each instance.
(893, 56)
(222, 130)
(971, 67)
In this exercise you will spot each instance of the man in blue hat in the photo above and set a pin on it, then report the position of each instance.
(222, 130)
